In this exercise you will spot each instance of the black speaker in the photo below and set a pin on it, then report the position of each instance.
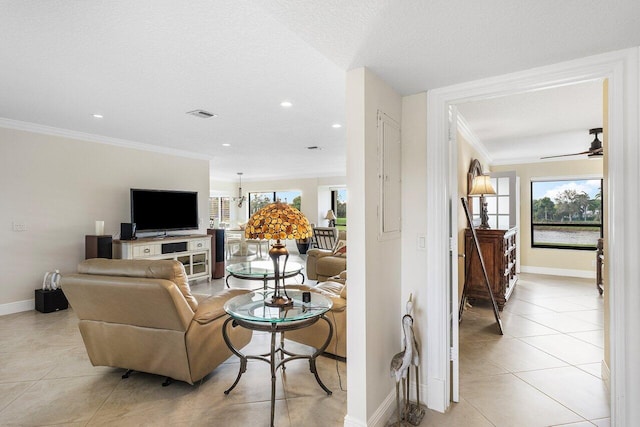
(217, 252)
(50, 301)
(127, 231)
(98, 247)
(169, 248)
(219, 245)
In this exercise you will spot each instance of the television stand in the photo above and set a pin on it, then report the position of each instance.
(193, 251)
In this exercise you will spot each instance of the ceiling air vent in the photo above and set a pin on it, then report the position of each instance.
(202, 114)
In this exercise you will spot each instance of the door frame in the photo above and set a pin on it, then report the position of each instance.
(622, 71)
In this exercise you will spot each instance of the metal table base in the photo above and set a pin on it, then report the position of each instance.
(285, 355)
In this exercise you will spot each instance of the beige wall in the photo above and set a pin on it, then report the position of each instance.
(558, 261)
(374, 316)
(59, 187)
(466, 153)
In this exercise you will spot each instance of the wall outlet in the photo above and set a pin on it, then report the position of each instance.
(19, 226)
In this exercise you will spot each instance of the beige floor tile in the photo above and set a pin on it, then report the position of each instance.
(27, 365)
(604, 422)
(459, 414)
(511, 354)
(593, 302)
(592, 316)
(578, 424)
(557, 304)
(577, 390)
(319, 411)
(592, 337)
(256, 414)
(506, 400)
(594, 369)
(566, 348)
(522, 307)
(562, 322)
(65, 400)
(11, 391)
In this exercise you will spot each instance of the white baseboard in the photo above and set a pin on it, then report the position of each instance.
(383, 414)
(17, 307)
(585, 274)
(351, 422)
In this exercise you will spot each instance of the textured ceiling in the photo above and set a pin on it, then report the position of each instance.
(522, 128)
(143, 64)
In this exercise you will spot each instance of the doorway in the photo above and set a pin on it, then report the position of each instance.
(553, 325)
(619, 68)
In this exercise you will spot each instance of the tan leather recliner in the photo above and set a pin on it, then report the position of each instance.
(322, 264)
(141, 315)
(316, 334)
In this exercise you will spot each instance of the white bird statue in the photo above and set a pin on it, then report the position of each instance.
(400, 369)
(400, 364)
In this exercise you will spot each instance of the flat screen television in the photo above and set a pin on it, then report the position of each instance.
(164, 210)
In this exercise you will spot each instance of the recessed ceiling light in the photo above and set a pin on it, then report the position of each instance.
(226, 144)
(286, 104)
(98, 116)
(336, 125)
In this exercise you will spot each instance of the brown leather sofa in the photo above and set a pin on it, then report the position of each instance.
(316, 334)
(322, 264)
(141, 315)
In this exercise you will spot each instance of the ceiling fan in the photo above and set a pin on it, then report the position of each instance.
(595, 149)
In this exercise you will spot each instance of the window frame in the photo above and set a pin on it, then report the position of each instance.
(274, 197)
(334, 206)
(600, 225)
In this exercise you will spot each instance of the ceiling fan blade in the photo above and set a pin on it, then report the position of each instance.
(567, 155)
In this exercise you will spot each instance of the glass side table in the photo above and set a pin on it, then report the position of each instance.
(261, 270)
(249, 311)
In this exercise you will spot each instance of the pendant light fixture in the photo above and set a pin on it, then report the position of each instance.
(240, 199)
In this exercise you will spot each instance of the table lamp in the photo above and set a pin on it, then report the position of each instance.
(278, 221)
(482, 185)
(331, 217)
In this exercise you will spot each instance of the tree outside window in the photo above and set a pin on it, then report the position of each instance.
(339, 206)
(566, 214)
(259, 200)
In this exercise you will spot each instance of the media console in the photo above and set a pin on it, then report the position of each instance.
(193, 251)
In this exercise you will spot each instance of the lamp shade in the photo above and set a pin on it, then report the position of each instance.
(278, 221)
(330, 215)
(481, 185)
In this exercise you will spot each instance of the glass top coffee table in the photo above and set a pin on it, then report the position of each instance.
(250, 311)
(261, 270)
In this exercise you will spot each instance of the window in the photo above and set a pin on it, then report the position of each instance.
(566, 214)
(339, 207)
(218, 211)
(259, 200)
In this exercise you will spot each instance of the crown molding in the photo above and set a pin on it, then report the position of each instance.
(100, 139)
(473, 140)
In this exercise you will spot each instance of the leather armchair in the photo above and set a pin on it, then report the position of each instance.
(322, 264)
(316, 334)
(141, 315)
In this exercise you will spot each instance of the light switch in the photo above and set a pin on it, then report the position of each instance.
(422, 242)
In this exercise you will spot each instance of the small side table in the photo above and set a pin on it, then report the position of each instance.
(249, 311)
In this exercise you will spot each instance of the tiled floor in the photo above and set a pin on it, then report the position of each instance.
(543, 371)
